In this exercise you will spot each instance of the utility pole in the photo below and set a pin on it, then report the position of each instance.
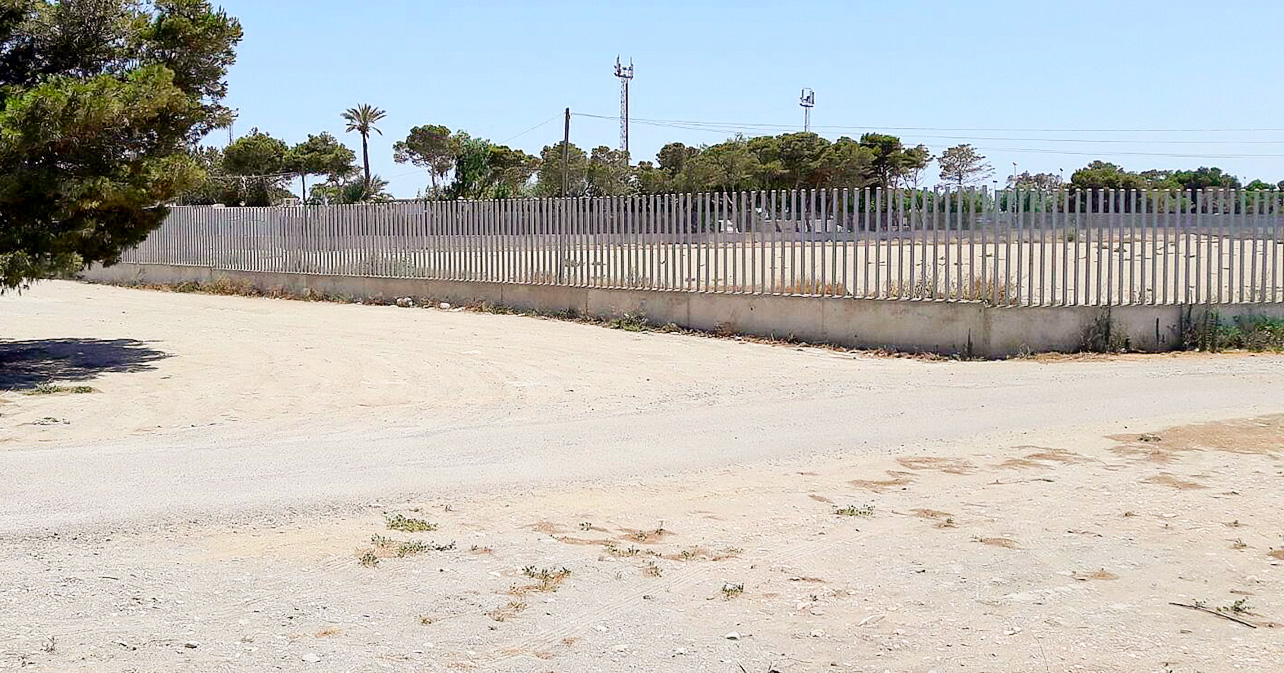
(625, 73)
(808, 101)
(566, 151)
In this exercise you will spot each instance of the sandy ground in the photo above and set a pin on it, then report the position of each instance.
(208, 506)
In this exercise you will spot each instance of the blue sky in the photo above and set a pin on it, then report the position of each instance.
(1045, 76)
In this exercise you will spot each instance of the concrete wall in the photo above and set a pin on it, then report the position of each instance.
(947, 328)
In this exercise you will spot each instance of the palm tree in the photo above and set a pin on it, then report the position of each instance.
(362, 119)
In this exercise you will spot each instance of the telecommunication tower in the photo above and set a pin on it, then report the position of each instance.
(625, 73)
(808, 101)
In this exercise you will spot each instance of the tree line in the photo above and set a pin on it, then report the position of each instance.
(254, 169)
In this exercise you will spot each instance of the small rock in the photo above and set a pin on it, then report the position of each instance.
(733, 636)
(620, 648)
(445, 306)
(680, 651)
(311, 657)
(600, 628)
(406, 302)
(817, 633)
(191, 644)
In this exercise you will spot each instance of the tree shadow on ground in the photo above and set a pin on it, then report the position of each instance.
(25, 364)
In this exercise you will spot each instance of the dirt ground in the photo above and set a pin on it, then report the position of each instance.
(221, 499)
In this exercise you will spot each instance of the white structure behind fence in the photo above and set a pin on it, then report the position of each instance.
(1010, 248)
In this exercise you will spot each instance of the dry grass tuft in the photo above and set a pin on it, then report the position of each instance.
(946, 465)
(898, 480)
(547, 580)
(506, 612)
(1101, 574)
(815, 288)
(1165, 479)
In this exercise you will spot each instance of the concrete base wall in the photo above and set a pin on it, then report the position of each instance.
(947, 328)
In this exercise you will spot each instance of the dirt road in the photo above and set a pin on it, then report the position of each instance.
(221, 483)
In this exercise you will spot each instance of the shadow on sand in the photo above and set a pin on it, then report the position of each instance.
(25, 364)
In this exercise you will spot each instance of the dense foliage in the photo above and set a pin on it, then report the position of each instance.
(99, 102)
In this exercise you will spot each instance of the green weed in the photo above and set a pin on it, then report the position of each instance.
(852, 510)
(408, 525)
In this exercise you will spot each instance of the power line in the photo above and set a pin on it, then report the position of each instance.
(746, 125)
(1135, 154)
(1223, 155)
(539, 125)
(725, 129)
(271, 176)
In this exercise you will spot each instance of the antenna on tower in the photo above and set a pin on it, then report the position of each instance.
(625, 73)
(808, 101)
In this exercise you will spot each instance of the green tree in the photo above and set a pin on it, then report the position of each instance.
(429, 147)
(1105, 175)
(892, 161)
(99, 104)
(609, 173)
(215, 186)
(319, 155)
(473, 178)
(351, 188)
(255, 154)
(548, 180)
(1160, 179)
(963, 165)
(362, 119)
(1102, 175)
(846, 164)
(729, 166)
(673, 157)
(771, 171)
(366, 191)
(916, 160)
(649, 179)
(1038, 181)
(1259, 186)
(510, 170)
(1205, 178)
(258, 161)
(800, 158)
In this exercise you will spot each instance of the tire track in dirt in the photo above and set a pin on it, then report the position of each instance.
(577, 624)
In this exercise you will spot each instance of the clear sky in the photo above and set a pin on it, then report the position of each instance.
(1046, 77)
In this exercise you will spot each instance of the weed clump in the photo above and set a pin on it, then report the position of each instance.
(853, 510)
(629, 322)
(49, 388)
(408, 525)
(1212, 334)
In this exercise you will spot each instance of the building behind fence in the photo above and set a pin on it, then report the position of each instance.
(1004, 248)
